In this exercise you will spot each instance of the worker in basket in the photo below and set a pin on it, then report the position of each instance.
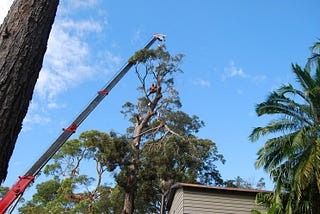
(152, 89)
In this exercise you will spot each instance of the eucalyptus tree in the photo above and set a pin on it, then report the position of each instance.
(23, 41)
(292, 154)
(161, 134)
(153, 68)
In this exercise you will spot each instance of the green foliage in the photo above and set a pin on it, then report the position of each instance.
(172, 160)
(291, 155)
(43, 200)
(182, 123)
(3, 191)
(114, 151)
(283, 203)
(46, 191)
(68, 191)
(143, 55)
(111, 200)
(192, 160)
(239, 182)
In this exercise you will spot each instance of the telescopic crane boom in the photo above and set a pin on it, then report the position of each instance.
(24, 181)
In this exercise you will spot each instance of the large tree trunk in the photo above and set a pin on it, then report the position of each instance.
(128, 202)
(128, 206)
(23, 42)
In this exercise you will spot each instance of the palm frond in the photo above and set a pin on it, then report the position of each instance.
(304, 207)
(315, 56)
(275, 152)
(317, 73)
(304, 170)
(303, 77)
(279, 104)
(281, 125)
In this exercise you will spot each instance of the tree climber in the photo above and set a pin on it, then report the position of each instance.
(152, 89)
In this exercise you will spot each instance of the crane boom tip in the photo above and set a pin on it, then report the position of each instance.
(160, 37)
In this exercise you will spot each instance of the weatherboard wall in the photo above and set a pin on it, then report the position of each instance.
(188, 200)
(177, 206)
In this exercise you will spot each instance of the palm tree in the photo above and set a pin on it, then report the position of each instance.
(315, 56)
(292, 154)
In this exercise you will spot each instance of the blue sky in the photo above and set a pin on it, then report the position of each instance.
(236, 53)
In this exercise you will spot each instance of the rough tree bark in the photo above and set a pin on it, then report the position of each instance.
(23, 42)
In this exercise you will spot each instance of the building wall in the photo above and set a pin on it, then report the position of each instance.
(197, 202)
(177, 206)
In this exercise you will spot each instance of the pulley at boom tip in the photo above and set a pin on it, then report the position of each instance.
(158, 36)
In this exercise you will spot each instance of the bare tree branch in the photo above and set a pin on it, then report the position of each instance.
(150, 130)
(174, 133)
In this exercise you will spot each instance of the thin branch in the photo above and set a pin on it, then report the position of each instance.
(99, 170)
(142, 79)
(74, 169)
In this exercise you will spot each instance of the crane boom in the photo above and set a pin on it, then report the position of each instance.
(24, 181)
